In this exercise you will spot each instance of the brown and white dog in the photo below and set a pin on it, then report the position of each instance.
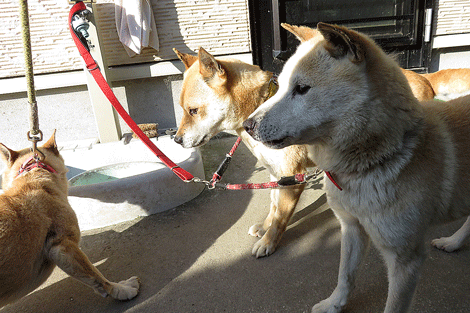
(39, 229)
(218, 95)
(420, 85)
(401, 166)
(445, 84)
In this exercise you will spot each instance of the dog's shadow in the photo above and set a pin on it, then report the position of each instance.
(166, 251)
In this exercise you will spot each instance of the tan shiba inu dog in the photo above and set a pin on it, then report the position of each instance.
(396, 166)
(420, 86)
(218, 95)
(39, 229)
(450, 83)
(445, 84)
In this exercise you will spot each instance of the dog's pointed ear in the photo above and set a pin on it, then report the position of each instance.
(51, 144)
(187, 59)
(7, 155)
(303, 33)
(211, 70)
(341, 42)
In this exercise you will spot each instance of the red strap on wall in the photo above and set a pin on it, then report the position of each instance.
(96, 73)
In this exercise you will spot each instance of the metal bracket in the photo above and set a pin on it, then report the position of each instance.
(427, 25)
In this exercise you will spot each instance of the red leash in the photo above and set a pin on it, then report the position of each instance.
(96, 73)
(296, 179)
(94, 70)
(224, 165)
(283, 182)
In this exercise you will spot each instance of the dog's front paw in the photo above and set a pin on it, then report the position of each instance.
(327, 306)
(447, 244)
(126, 289)
(264, 247)
(334, 304)
(257, 230)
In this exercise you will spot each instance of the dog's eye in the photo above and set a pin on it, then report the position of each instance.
(193, 111)
(301, 89)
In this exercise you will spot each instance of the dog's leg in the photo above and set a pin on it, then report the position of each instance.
(283, 206)
(68, 257)
(354, 243)
(259, 229)
(455, 241)
(403, 272)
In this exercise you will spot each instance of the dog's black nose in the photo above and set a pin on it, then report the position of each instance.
(249, 126)
(178, 139)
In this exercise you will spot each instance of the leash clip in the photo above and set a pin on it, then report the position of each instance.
(38, 155)
(291, 181)
(197, 180)
(218, 186)
(80, 23)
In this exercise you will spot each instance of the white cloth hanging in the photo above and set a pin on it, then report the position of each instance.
(135, 25)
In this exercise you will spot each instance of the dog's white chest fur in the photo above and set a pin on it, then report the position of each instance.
(272, 159)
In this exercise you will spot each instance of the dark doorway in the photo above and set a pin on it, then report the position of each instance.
(398, 26)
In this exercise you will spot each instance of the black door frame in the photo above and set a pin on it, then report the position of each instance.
(270, 47)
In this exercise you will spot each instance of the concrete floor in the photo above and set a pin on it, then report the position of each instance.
(197, 258)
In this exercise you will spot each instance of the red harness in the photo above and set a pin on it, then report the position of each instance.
(34, 162)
